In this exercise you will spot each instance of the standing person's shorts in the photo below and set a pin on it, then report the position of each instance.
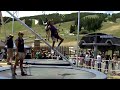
(21, 55)
(10, 52)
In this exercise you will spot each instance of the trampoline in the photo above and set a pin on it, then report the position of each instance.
(52, 69)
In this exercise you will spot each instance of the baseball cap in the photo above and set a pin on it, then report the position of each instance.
(20, 33)
(10, 35)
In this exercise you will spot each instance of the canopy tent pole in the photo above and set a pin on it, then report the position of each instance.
(9, 18)
(78, 36)
(1, 18)
(13, 24)
(2, 22)
(41, 38)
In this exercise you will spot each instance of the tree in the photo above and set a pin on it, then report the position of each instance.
(40, 22)
(72, 28)
(28, 22)
(92, 24)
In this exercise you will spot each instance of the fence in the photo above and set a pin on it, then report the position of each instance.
(94, 65)
(62, 49)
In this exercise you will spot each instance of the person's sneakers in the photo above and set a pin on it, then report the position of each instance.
(23, 74)
(15, 73)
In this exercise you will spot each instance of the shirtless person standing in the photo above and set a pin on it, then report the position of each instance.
(20, 53)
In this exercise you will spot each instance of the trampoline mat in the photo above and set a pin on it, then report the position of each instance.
(50, 73)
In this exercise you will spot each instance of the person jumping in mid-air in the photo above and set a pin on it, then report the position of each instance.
(54, 33)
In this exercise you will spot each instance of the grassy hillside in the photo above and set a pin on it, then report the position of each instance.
(63, 30)
(92, 16)
(107, 27)
(111, 28)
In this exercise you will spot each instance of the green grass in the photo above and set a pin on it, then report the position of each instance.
(107, 27)
(92, 16)
(111, 28)
(63, 31)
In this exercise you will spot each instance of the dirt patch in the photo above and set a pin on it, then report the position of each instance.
(112, 28)
(72, 43)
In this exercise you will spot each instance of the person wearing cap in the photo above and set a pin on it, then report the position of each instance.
(20, 53)
(54, 34)
(9, 43)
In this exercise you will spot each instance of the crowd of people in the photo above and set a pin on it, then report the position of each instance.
(43, 54)
(87, 59)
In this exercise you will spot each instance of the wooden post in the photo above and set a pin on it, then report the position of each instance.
(36, 45)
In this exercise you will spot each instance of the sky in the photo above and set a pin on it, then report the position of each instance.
(32, 13)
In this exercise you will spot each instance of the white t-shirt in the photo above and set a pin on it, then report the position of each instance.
(87, 57)
(99, 59)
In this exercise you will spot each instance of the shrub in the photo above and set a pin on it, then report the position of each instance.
(84, 32)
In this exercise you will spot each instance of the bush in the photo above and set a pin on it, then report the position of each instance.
(72, 28)
(40, 22)
(84, 32)
(28, 22)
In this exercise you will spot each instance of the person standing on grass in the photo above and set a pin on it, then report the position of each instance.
(54, 33)
(20, 53)
(9, 43)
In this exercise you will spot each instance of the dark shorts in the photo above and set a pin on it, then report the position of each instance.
(54, 37)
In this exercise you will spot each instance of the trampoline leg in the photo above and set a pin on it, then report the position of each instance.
(29, 70)
(12, 72)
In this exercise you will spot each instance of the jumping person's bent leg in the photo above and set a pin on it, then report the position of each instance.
(48, 34)
(53, 39)
(61, 40)
(53, 44)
